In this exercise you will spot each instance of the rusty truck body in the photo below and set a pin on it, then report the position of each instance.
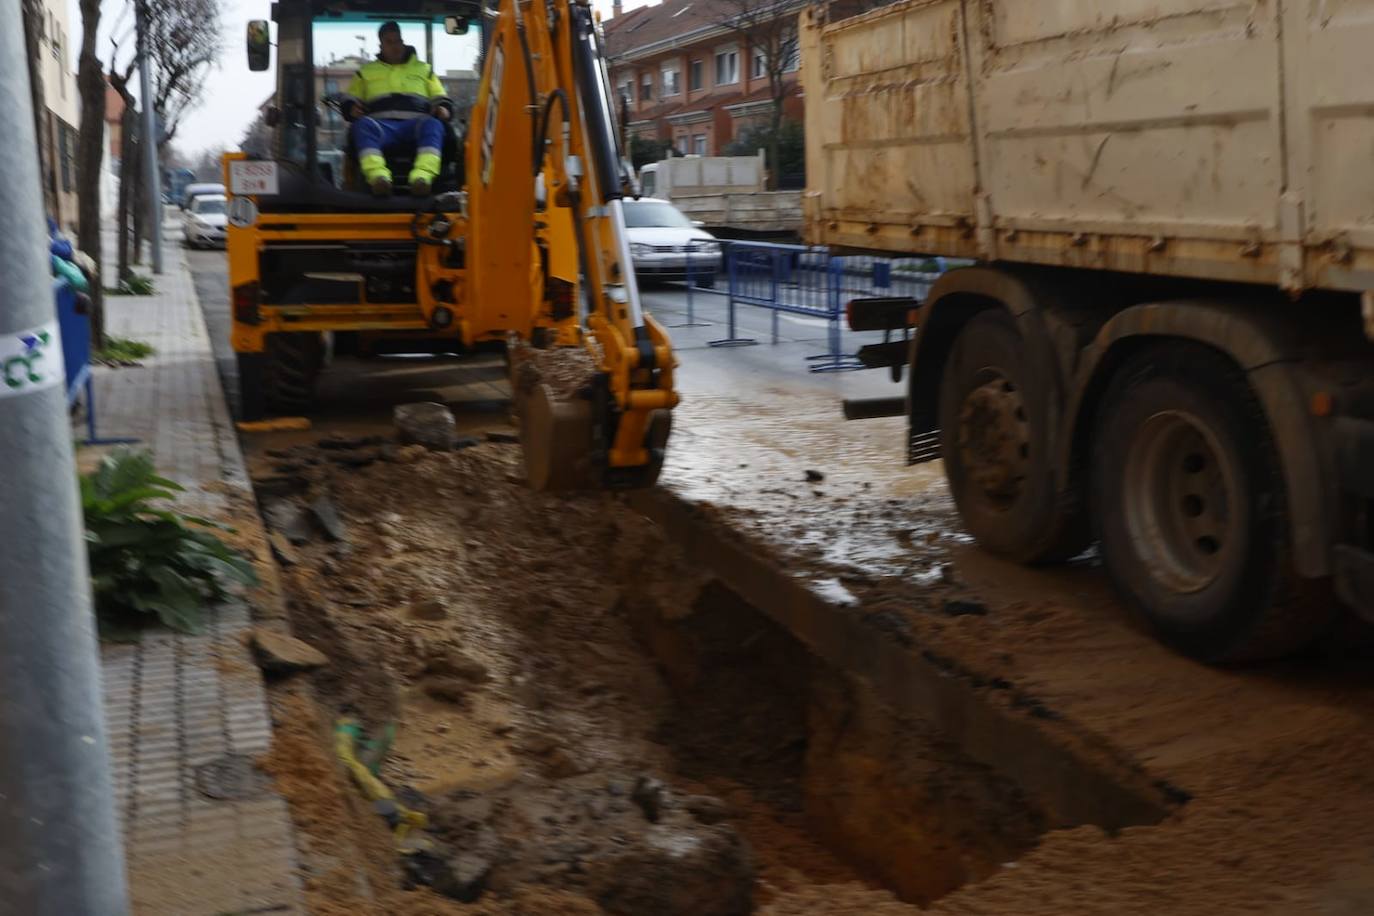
(1164, 344)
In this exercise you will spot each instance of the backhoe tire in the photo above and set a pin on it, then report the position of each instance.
(1191, 511)
(995, 443)
(281, 380)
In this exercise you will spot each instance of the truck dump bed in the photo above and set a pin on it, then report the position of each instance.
(1224, 139)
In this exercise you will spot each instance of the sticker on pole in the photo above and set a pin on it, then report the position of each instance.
(30, 361)
(247, 176)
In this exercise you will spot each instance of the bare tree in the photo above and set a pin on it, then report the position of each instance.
(209, 164)
(183, 42)
(258, 139)
(90, 154)
(768, 32)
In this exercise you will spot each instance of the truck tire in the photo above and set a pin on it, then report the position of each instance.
(1190, 509)
(995, 443)
(281, 379)
(293, 363)
(252, 402)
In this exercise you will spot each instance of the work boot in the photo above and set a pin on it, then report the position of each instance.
(420, 185)
(380, 185)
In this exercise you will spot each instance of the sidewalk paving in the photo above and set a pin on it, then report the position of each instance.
(175, 703)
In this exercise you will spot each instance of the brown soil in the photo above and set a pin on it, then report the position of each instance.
(556, 599)
(535, 694)
(1277, 812)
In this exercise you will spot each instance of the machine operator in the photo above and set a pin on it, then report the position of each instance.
(393, 101)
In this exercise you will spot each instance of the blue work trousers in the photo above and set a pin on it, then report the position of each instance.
(373, 137)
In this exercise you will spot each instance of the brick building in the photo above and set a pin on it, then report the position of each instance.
(690, 77)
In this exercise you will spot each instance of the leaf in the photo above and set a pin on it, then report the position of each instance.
(178, 605)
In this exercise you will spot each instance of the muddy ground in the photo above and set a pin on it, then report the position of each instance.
(594, 724)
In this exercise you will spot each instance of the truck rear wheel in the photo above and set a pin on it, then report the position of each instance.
(995, 445)
(281, 379)
(1190, 509)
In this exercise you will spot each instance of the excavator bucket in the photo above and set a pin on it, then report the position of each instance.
(556, 436)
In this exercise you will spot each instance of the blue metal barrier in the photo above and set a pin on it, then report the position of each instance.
(74, 327)
(811, 282)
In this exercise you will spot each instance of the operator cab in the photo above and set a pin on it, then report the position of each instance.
(321, 44)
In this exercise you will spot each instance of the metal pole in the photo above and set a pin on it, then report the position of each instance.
(60, 849)
(153, 180)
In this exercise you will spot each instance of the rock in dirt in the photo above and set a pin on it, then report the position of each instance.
(326, 514)
(344, 443)
(503, 437)
(707, 809)
(463, 442)
(448, 661)
(464, 878)
(430, 609)
(447, 689)
(427, 424)
(281, 485)
(962, 607)
(277, 653)
(562, 763)
(281, 549)
(648, 795)
(814, 476)
(290, 519)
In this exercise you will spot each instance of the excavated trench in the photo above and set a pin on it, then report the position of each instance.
(592, 723)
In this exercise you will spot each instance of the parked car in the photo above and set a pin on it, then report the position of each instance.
(204, 221)
(199, 189)
(664, 242)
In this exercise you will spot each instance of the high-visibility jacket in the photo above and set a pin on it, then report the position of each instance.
(408, 90)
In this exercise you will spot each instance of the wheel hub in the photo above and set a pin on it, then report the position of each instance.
(994, 439)
(1179, 500)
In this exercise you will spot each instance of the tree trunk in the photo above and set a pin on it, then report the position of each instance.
(90, 154)
(136, 201)
(776, 86)
(33, 16)
(127, 164)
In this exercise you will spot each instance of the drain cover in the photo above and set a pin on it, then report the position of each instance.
(232, 777)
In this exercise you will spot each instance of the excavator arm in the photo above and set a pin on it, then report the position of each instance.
(544, 108)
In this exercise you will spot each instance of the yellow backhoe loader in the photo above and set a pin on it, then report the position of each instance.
(520, 242)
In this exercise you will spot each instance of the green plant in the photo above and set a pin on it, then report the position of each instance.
(133, 285)
(121, 351)
(644, 150)
(147, 560)
(791, 149)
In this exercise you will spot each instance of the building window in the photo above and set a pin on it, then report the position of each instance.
(66, 139)
(672, 80)
(694, 74)
(627, 91)
(699, 144)
(793, 59)
(727, 67)
(646, 87)
(56, 44)
(758, 63)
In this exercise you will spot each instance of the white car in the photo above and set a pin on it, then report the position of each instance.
(204, 220)
(664, 243)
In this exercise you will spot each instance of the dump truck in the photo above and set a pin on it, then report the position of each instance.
(726, 194)
(1163, 346)
(471, 261)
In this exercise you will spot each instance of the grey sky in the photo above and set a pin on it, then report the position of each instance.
(233, 92)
